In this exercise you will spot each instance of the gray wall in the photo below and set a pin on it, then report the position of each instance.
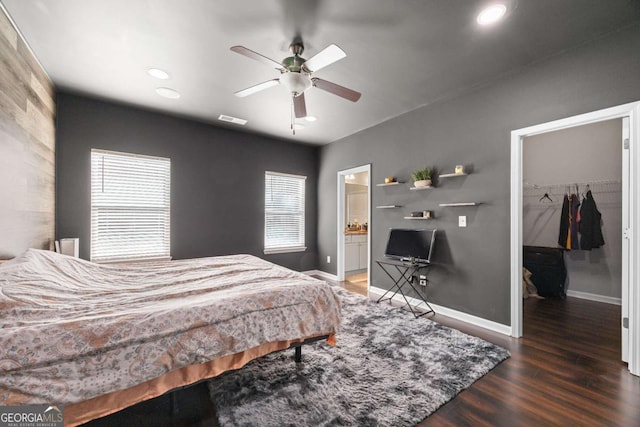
(217, 177)
(472, 272)
(584, 154)
(27, 144)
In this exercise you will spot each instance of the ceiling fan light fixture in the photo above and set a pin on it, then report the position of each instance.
(296, 83)
(311, 118)
(491, 14)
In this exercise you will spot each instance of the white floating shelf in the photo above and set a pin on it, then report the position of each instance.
(450, 175)
(459, 204)
(388, 207)
(421, 188)
(386, 184)
(417, 217)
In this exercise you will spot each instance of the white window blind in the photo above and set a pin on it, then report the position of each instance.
(284, 213)
(130, 206)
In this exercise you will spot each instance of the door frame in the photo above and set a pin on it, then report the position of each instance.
(631, 110)
(341, 223)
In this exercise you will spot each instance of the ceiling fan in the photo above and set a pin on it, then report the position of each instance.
(296, 74)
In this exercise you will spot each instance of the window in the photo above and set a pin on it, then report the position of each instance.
(283, 213)
(129, 206)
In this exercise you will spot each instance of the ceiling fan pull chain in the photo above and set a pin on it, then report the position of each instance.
(293, 128)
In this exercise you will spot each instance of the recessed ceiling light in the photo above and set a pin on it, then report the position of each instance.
(311, 118)
(167, 92)
(231, 119)
(491, 14)
(158, 73)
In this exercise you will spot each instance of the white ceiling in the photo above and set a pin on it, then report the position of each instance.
(401, 54)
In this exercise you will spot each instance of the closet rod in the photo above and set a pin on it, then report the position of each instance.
(603, 186)
(527, 184)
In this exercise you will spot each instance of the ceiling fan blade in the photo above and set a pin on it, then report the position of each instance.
(335, 89)
(328, 56)
(256, 88)
(299, 106)
(258, 57)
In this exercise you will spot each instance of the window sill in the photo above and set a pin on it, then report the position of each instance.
(126, 260)
(268, 251)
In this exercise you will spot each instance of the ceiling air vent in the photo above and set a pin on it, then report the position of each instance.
(230, 119)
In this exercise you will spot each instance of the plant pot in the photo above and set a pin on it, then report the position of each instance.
(422, 183)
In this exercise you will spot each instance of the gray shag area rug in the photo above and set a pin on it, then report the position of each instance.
(388, 369)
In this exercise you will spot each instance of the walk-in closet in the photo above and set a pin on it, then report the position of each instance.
(572, 231)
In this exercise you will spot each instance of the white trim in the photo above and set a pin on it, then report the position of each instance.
(516, 235)
(631, 110)
(135, 260)
(634, 242)
(595, 297)
(289, 175)
(340, 223)
(454, 314)
(322, 274)
(124, 153)
(626, 243)
(287, 250)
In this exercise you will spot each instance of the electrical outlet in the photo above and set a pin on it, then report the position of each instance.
(462, 221)
(328, 259)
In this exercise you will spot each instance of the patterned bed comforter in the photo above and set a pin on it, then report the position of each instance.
(72, 329)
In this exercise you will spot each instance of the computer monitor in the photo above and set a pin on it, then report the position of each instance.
(410, 245)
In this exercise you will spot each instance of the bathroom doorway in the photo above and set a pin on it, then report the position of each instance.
(354, 208)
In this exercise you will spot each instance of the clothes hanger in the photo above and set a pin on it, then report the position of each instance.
(546, 197)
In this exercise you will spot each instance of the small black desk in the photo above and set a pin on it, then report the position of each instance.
(406, 270)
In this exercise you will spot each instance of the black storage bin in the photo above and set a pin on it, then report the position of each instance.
(548, 270)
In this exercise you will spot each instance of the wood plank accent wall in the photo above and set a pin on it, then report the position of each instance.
(27, 147)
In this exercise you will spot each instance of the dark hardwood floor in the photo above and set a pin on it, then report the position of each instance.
(565, 371)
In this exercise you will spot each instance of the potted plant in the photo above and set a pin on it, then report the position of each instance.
(422, 177)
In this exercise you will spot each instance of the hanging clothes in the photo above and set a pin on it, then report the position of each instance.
(564, 223)
(574, 220)
(590, 224)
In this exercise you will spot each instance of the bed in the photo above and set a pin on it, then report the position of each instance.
(98, 338)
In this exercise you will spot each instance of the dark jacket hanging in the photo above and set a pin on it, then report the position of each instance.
(590, 224)
(564, 223)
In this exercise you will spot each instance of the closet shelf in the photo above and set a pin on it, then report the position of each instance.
(445, 205)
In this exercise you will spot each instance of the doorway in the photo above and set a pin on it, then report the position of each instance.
(354, 223)
(572, 217)
(630, 295)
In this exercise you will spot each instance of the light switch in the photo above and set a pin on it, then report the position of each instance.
(462, 221)
(328, 259)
